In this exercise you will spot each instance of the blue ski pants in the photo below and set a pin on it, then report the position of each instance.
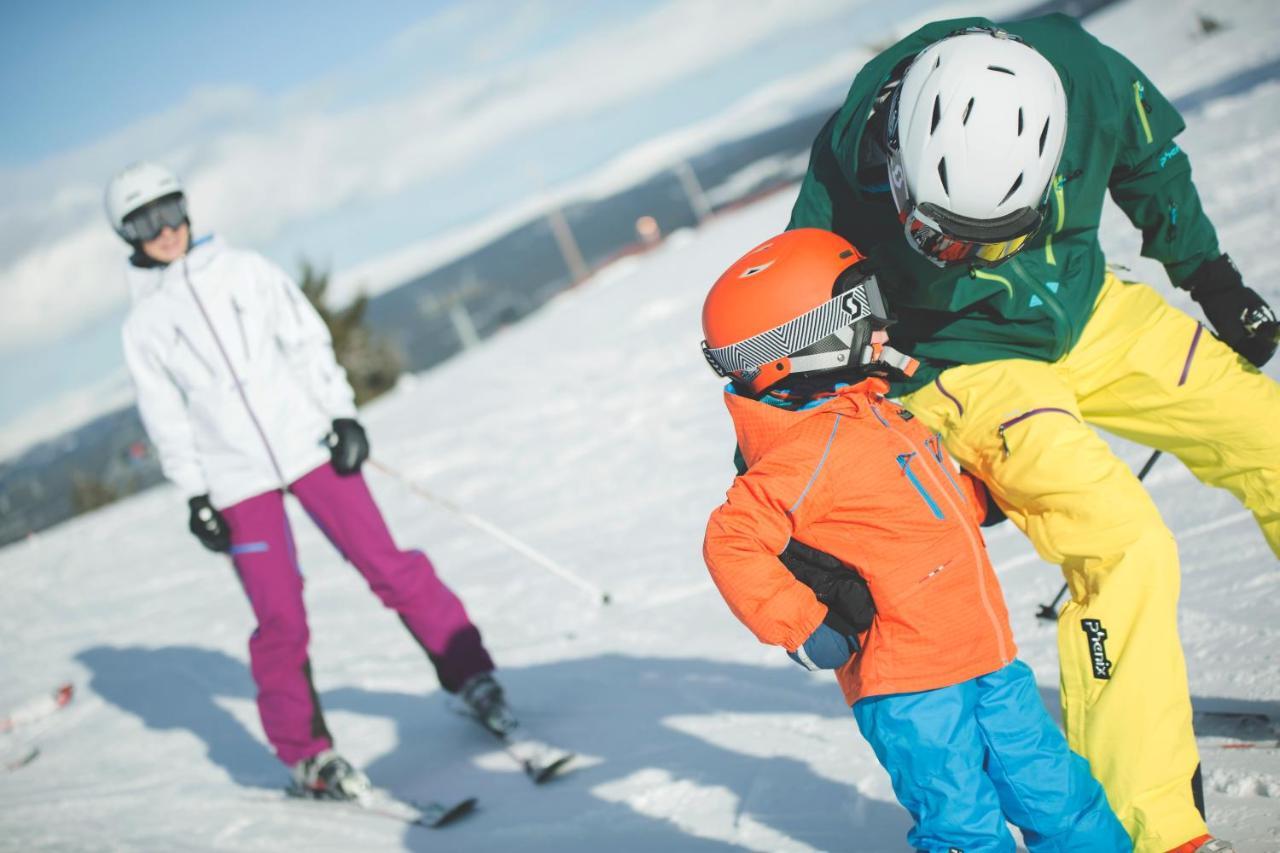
(967, 758)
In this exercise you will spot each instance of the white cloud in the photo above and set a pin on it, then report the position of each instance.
(763, 108)
(254, 164)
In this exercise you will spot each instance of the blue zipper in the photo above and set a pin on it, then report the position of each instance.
(904, 462)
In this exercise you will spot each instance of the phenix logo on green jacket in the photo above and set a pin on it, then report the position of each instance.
(1120, 132)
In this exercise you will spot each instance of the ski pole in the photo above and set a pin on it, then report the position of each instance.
(1050, 611)
(601, 596)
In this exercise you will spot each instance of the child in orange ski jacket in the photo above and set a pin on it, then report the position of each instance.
(853, 542)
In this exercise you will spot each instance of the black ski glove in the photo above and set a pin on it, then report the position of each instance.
(208, 525)
(844, 592)
(1242, 319)
(348, 446)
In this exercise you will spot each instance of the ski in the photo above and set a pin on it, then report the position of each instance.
(37, 708)
(485, 706)
(540, 762)
(380, 803)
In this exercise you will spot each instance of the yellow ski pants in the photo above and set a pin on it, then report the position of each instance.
(1147, 372)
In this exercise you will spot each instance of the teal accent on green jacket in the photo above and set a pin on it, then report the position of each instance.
(1120, 132)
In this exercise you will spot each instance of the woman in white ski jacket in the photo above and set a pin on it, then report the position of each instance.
(241, 394)
(235, 373)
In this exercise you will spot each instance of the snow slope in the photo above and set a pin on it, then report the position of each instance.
(594, 432)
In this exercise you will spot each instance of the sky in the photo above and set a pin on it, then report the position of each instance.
(345, 135)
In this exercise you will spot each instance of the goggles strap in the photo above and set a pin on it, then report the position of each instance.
(879, 354)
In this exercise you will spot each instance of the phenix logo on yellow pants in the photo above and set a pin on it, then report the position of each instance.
(1147, 372)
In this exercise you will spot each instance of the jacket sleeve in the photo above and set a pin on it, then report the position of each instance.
(163, 408)
(744, 537)
(1151, 178)
(305, 341)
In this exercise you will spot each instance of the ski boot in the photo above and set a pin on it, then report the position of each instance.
(483, 697)
(328, 776)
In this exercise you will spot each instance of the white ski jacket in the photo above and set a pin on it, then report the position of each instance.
(236, 378)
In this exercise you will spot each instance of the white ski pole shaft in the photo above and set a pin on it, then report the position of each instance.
(535, 556)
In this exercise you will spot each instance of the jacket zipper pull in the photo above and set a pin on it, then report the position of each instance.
(1004, 440)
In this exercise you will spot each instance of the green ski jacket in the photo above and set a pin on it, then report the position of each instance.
(1120, 133)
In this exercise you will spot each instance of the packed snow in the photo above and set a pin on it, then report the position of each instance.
(594, 433)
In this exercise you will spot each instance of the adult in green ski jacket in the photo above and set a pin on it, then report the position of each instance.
(970, 162)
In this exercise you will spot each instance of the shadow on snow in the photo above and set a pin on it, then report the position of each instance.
(613, 707)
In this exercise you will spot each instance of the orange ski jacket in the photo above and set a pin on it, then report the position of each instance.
(860, 479)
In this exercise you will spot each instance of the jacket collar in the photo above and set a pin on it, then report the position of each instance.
(760, 427)
(146, 281)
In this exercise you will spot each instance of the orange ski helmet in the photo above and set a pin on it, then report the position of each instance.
(799, 304)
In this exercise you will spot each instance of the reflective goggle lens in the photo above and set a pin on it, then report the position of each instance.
(942, 249)
(146, 223)
(931, 236)
(873, 300)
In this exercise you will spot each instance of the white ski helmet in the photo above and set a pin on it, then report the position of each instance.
(135, 186)
(975, 133)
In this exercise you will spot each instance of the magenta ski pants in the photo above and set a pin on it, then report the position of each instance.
(265, 559)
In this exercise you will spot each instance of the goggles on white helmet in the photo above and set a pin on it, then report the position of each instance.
(947, 238)
(146, 223)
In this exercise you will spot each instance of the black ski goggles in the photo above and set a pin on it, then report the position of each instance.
(947, 238)
(147, 222)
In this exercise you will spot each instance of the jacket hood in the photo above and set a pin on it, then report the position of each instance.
(144, 281)
(760, 426)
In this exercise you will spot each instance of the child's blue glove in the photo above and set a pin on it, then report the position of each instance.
(826, 648)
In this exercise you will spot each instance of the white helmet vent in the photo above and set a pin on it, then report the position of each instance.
(1017, 182)
(983, 138)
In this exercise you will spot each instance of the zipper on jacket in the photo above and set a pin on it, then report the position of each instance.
(1138, 91)
(1047, 297)
(934, 443)
(182, 336)
(244, 339)
(1059, 196)
(904, 462)
(244, 398)
(974, 272)
(1051, 303)
(975, 546)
